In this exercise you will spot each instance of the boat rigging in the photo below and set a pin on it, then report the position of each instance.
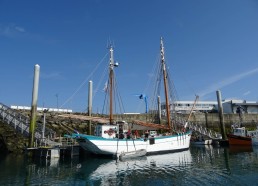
(116, 138)
(162, 53)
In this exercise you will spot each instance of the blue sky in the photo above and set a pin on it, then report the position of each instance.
(209, 45)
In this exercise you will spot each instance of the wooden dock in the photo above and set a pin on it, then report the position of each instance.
(56, 152)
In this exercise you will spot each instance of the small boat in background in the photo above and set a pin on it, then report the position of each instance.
(200, 140)
(241, 136)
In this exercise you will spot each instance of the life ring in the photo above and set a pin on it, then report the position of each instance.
(110, 132)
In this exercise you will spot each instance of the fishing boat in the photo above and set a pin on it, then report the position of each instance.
(242, 136)
(112, 138)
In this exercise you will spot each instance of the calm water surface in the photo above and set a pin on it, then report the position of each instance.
(197, 166)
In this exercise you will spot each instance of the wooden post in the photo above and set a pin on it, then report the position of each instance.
(206, 120)
(221, 118)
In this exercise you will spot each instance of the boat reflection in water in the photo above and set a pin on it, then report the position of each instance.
(142, 168)
(240, 148)
(202, 165)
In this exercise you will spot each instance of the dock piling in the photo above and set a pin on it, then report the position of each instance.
(34, 105)
(221, 118)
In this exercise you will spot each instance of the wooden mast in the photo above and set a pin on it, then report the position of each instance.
(111, 80)
(162, 53)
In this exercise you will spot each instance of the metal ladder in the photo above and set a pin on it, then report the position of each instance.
(204, 131)
(21, 124)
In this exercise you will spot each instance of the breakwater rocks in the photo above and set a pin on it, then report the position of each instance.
(11, 141)
(63, 125)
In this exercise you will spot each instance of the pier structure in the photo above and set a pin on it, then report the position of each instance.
(69, 148)
(43, 147)
(202, 130)
(21, 124)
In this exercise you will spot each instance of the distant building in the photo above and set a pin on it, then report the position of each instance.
(229, 106)
(186, 106)
(41, 109)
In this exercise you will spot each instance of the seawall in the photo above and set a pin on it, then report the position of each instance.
(12, 141)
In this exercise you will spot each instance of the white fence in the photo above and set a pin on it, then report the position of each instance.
(41, 109)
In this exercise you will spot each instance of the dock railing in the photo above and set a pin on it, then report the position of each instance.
(21, 124)
(200, 129)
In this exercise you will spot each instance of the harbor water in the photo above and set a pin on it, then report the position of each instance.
(196, 166)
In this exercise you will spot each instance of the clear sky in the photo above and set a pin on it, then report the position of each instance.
(209, 45)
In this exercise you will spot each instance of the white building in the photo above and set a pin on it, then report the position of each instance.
(201, 106)
(229, 106)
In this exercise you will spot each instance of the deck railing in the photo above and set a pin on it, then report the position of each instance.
(200, 129)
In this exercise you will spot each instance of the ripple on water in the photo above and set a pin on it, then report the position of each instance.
(200, 166)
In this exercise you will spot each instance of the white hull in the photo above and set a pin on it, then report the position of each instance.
(161, 144)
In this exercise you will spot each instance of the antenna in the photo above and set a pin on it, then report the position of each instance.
(110, 43)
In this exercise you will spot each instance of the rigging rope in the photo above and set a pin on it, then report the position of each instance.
(120, 102)
(149, 82)
(85, 81)
(100, 82)
(157, 85)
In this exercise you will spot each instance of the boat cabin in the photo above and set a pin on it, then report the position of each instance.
(239, 131)
(119, 129)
